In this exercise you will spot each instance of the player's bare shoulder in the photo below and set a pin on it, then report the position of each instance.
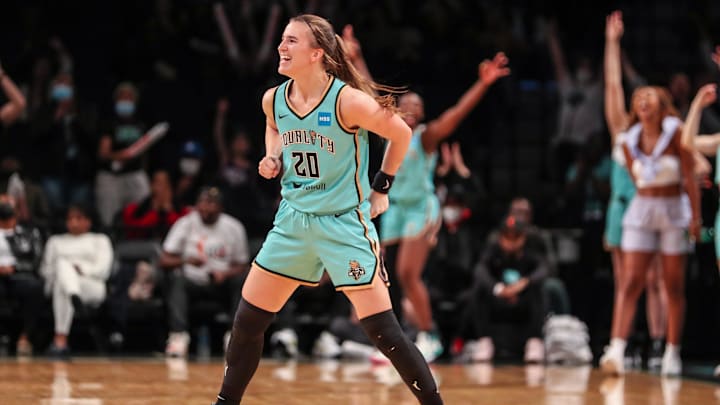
(268, 104)
(355, 104)
(268, 99)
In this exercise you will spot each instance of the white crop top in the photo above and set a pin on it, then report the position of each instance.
(665, 171)
(655, 169)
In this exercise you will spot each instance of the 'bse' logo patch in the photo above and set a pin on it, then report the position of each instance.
(324, 119)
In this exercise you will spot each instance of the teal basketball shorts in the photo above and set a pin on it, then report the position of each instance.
(301, 246)
(406, 221)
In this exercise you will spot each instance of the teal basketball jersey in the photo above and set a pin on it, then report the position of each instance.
(325, 164)
(414, 180)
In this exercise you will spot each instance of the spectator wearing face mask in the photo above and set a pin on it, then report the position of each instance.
(581, 102)
(65, 162)
(237, 175)
(190, 175)
(122, 178)
(507, 287)
(20, 254)
(459, 191)
(540, 240)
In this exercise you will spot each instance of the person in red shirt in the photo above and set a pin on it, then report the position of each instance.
(152, 217)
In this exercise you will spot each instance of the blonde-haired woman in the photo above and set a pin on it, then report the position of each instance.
(316, 137)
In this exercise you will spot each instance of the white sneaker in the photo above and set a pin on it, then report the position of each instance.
(671, 364)
(482, 351)
(429, 345)
(613, 361)
(534, 350)
(177, 345)
(326, 346)
(287, 339)
(355, 350)
(717, 371)
(468, 348)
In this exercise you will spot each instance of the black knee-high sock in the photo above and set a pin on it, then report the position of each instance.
(384, 331)
(244, 351)
(396, 293)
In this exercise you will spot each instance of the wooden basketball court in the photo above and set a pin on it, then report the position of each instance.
(160, 381)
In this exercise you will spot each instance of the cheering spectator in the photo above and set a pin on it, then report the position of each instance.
(152, 217)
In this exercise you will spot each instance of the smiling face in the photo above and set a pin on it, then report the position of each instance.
(411, 109)
(298, 49)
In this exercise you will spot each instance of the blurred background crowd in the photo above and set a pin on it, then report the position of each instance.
(96, 76)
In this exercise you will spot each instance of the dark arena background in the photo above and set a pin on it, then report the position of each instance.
(122, 123)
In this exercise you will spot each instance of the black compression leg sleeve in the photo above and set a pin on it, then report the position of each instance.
(244, 351)
(384, 331)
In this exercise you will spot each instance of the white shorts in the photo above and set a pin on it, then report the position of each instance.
(657, 224)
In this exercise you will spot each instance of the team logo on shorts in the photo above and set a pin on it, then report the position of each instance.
(356, 271)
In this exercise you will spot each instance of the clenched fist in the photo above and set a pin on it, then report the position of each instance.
(379, 203)
(269, 167)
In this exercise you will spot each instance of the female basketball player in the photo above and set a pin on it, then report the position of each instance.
(656, 220)
(316, 135)
(408, 228)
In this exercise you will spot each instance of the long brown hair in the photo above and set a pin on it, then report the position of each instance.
(337, 63)
(666, 106)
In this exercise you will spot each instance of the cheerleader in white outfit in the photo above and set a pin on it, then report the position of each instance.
(660, 216)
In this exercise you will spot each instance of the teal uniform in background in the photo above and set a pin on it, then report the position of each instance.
(323, 222)
(622, 191)
(414, 207)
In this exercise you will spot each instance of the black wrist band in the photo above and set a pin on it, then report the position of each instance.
(382, 182)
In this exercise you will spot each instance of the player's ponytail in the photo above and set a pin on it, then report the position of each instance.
(337, 63)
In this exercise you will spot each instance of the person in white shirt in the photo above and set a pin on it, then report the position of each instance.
(206, 254)
(75, 266)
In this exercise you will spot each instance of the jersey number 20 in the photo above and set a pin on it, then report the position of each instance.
(306, 164)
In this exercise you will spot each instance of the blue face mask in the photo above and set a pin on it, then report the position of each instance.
(124, 108)
(61, 92)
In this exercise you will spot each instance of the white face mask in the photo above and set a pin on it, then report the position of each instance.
(189, 166)
(451, 214)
